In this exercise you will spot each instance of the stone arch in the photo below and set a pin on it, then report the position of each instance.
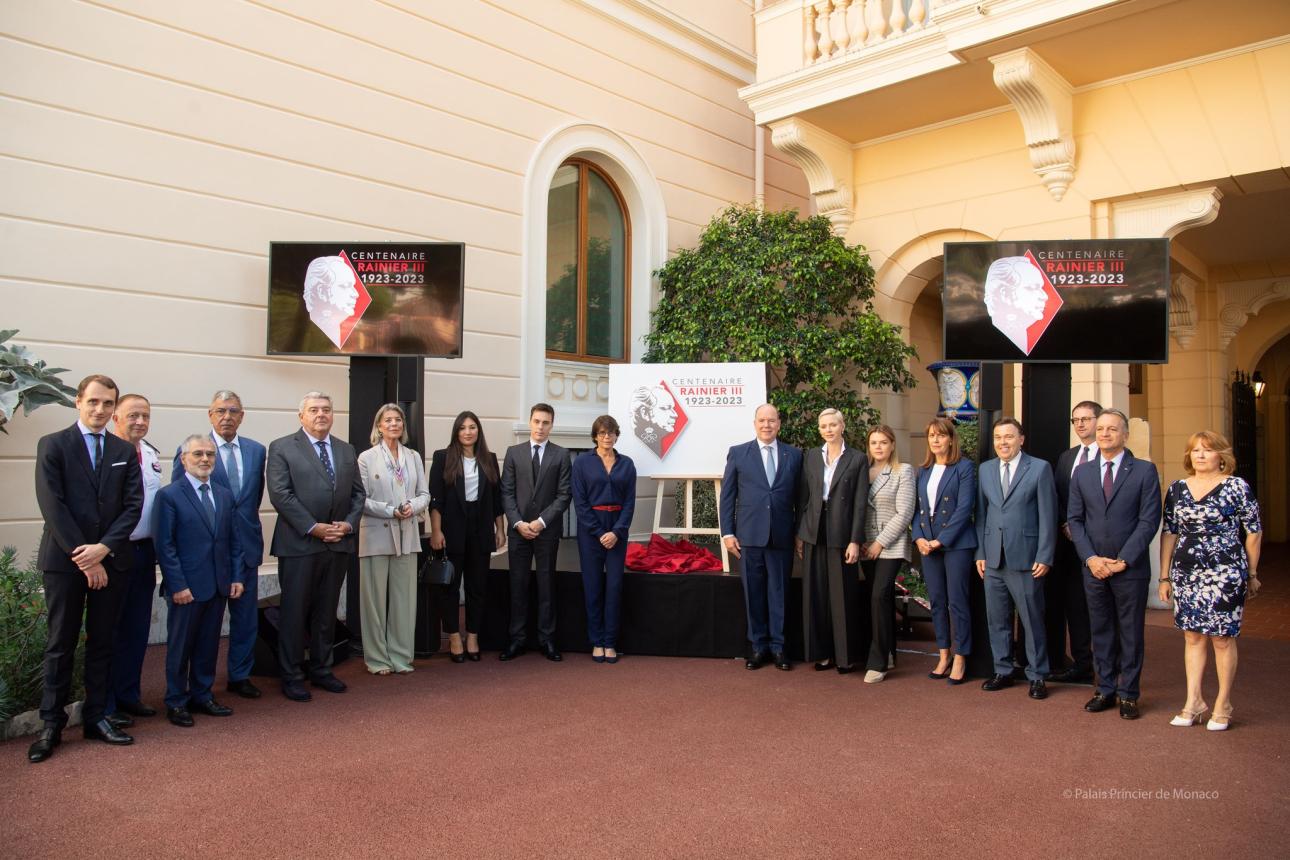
(904, 275)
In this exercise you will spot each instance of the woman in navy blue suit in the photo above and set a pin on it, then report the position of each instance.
(604, 497)
(946, 541)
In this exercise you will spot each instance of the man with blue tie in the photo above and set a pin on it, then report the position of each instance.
(1113, 514)
(758, 522)
(315, 487)
(201, 569)
(90, 492)
(1016, 536)
(239, 468)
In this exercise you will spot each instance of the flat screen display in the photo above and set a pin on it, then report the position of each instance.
(1096, 300)
(366, 298)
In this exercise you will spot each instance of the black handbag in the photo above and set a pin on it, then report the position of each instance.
(436, 569)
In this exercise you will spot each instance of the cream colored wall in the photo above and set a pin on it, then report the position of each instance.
(153, 149)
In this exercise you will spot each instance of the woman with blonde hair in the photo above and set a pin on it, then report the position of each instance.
(887, 518)
(389, 537)
(833, 494)
(946, 541)
(1209, 568)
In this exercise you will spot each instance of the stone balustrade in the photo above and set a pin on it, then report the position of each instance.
(834, 28)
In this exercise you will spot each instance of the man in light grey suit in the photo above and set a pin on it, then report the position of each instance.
(1016, 536)
(315, 487)
(536, 489)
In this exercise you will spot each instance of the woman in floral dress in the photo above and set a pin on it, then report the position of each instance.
(1209, 567)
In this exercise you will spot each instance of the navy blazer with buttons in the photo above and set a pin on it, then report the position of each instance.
(192, 555)
(758, 514)
(950, 520)
(246, 503)
(1122, 527)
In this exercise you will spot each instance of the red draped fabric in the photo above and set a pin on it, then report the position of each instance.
(662, 556)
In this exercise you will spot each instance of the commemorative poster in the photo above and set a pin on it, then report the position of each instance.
(366, 298)
(1095, 300)
(681, 419)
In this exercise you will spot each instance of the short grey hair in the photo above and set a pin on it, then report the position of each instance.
(376, 422)
(313, 395)
(1116, 412)
(831, 411)
(196, 437)
(225, 394)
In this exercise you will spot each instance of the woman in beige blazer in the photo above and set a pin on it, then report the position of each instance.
(389, 537)
(891, 508)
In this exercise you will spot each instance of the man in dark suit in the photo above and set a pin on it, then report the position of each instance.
(315, 487)
(1016, 534)
(90, 492)
(758, 522)
(1064, 586)
(201, 569)
(239, 468)
(536, 489)
(1113, 514)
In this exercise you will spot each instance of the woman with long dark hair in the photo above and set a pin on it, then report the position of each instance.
(466, 519)
(946, 541)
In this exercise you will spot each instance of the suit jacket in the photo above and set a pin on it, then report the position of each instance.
(757, 513)
(949, 520)
(548, 499)
(891, 508)
(304, 496)
(246, 503)
(1020, 530)
(82, 505)
(192, 555)
(381, 533)
(451, 505)
(1124, 526)
(848, 496)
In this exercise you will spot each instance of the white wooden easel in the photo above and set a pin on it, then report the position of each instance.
(689, 527)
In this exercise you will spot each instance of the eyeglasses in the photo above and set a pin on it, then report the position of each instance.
(231, 411)
(202, 455)
(608, 434)
(1082, 420)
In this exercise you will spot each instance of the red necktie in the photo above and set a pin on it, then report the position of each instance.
(1107, 483)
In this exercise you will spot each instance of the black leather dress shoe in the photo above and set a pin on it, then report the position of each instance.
(997, 682)
(180, 717)
(1128, 709)
(1038, 690)
(295, 691)
(846, 670)
(1100, 702)
(108, 733)
(551, 652)
(135, 709)
(43, 747)
(1071, 676)
(781, 661)
(824, 665)
(757, 659)
(512, 651)
(244, 688)
(330, 683)
(119, 720)
(211, 707)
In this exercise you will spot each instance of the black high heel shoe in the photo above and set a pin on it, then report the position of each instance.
(954, 682)
(472, 656)
(458, 658)
(939, 676)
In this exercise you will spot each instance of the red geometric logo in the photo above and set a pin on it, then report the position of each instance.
(1054, 304)
(360, 304)
(657, 417)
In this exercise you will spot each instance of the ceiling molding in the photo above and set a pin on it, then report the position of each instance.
(674, 32)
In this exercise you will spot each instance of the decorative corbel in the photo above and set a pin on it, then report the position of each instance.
(1043, 100)
(1182, 308)
(1240, 300)
(826, 161)
(1164, 215)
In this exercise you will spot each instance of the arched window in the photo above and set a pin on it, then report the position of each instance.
(587, 275)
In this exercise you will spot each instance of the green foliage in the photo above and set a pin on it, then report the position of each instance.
(772, 287)
(705, 513)
(25, 381)
(22, 644)
(969, 431)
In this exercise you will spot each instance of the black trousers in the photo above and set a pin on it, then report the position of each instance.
(831, 603)
(472, 565)
(879, 587)
(522, 555)
(310, 594)
(68, 597)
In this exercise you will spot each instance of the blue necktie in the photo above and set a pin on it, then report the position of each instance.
(230, 466)
(326, 461)
(208, 506)
(98, 450)
(770, 465)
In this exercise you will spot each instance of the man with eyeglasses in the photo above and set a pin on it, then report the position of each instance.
(1064, 586)
(201, 569)
(239, 468)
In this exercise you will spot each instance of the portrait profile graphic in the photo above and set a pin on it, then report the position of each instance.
(1016, 296)
(331, 294)
(654, 417)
